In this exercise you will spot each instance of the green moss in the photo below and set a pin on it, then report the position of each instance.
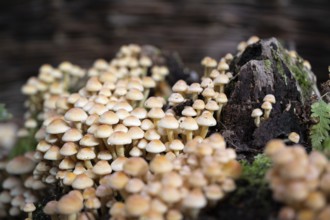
(24, 144)
(268, 65)
(300, 74)
(279, 66)
(252, 191)
(4, 114)
(255, 172)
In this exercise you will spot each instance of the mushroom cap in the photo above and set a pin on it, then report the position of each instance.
(176, 145)
(195, 88)
(207, 82)
(266, 106)
(136, 205)
(148, 82)
(198, 104)
(160, 164)
(176, 98)
(208, 92)
(69, 204)
(86, 154)
(122, 105)
(43, 146)
(66, 164)
(221, 79)
(104, 155)
(214, 73)
(109, 117)
(117, 180)
(53, 153)
(29, 207)
(82, 181)
(135, 166)
(156, 113)
(209, 62)
(140, 113)
(136, 133)
(213, 192)
(155, 146)
(89, 141)
(134, 94)
(131, 121)
(195, 200)
(102, 167)
(256, 113)
(122, 114)
(118, 163)
(270, 98)
(154, 102)
(20, 165)
(134, 185)
(180, 86)
(172, 179)
(222, 98)
(76, 115)
(170, 194)
(168, 122)
(147, 124)
(189, 111)
(93, 85)
(72, 135)
(135, 152)
(103, 131)
(294, 137)
(189, 124)
(69, 149)
(206, 119)
(212, 105)
(50, 208)
(57, 126)
(119, 138)
(223, 66)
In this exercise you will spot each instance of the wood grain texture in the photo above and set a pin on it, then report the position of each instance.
(36, 32)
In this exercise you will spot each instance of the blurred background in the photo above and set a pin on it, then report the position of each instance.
(35, 32)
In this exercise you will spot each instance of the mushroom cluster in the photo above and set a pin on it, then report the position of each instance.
(87, 139)
(266, 106)
(47, 91)
(19, 188)
(168, 187)
(300, 181)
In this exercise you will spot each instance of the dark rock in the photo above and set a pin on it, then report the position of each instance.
(267, 68)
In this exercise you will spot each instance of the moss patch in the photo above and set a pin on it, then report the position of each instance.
(252, 199)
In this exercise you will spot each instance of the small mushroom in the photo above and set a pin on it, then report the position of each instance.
(256, 114)
(267, 107)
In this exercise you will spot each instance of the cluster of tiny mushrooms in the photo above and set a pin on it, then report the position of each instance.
(300, 181)
(115, 150)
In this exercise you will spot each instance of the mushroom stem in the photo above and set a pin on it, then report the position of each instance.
(110, 148)
(194, 96)
(267, 113)
(120, 150)
(170, 133)
(78, 125)
(88, 164)
(257, 121)
(204, 130)
(189, 135)
(221, 88)
(219, 112)
(155, 120)
(30, 215)
(53, 217)
(72, 216)
(145, 96)
(193, 213)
